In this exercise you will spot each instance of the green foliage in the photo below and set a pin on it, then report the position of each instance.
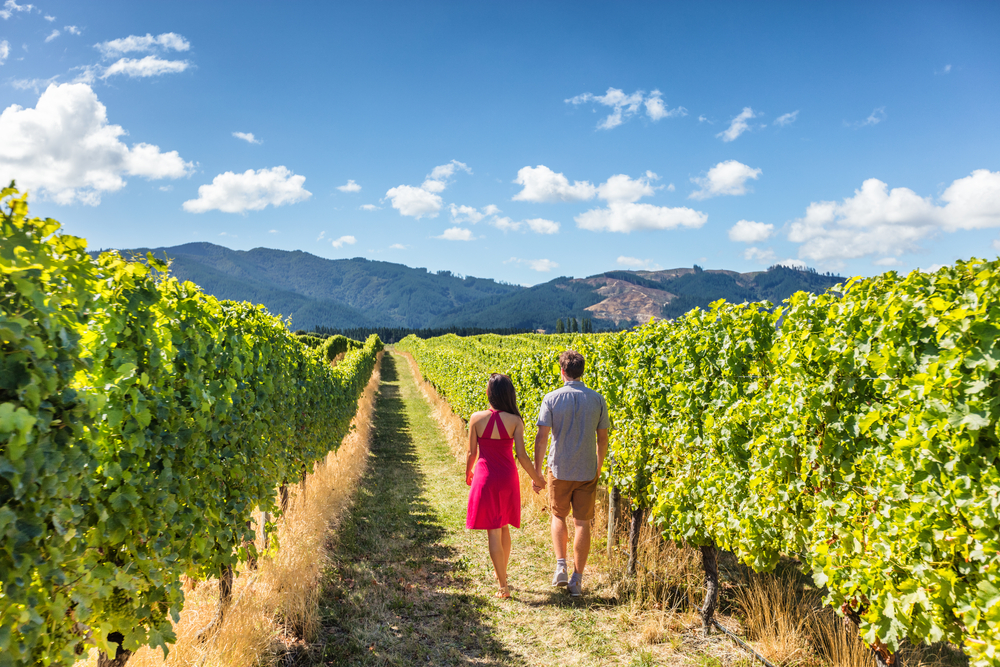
(45, 296)
(142, 422)
(857, 430)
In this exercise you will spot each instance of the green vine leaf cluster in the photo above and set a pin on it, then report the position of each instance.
(142, 422)
(857, 430)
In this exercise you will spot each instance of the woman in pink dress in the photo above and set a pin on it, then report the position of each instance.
(495, 496)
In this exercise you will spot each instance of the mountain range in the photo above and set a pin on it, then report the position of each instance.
(343, 293)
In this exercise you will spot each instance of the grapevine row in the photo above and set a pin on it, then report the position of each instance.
(142, 422)
(855, 430)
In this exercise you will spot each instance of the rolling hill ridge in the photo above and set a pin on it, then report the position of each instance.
(342, 293)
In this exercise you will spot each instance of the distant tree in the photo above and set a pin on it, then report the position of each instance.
(586, 326)
(559, 326)
(574, 327)
(697, 269)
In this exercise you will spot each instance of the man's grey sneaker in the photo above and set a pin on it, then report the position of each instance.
(561, 578)
(575, 586)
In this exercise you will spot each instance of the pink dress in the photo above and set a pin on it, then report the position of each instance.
(495, 496)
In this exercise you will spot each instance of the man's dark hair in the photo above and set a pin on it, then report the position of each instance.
(572, 364)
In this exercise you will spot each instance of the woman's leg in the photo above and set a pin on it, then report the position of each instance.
(505, 537)
(495, 538)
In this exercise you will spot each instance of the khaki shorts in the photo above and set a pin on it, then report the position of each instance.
(581, 496)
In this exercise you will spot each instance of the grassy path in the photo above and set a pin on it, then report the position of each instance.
(410, 585)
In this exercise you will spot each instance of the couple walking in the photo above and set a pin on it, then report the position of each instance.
(577, 419)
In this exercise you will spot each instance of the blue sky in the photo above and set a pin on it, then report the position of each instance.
(518, 141)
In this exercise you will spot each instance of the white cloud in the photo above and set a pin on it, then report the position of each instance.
(167, 41)
(248, 137)
(52, 35)
(704, 119)
(506, 224)
(874, 118)
(343, 240)
(887, 261)
(625, 106)
(738, 125)
(272, 231)
(633, 262)
(65, 148)
(437, 180)
(656, 110)
(747, 231)
(418, 202)
(4, 51)
(146, 67)
(762, 256)
(627, 217)
(397, 246)
(541, 184)
(250, 191)
(456, 234)
(470, 213)
(944, 70)
(621, 187)
(321, 236)
(671, 188)
(541, 265)
(350, 186)
(72, 29)
(542, 226)
(370, 207)
(414, 202)
(166, 188)
(50, 19)
(726, 178)
(879, 221)
(786, 119)
(11, 6)
(792, 264)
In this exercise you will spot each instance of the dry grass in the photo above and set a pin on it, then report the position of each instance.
(777, 616)
(275, 609)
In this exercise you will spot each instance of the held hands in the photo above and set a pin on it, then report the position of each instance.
(538, 485)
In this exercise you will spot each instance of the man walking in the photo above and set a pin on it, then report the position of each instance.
(578, 419)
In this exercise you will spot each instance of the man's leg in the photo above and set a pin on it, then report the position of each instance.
(581, 545)
(560, 536)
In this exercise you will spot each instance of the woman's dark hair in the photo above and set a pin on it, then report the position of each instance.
(501, 394)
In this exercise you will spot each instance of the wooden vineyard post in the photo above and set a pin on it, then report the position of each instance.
(633, 540)
(225, 588)
(251, 560)
(710, 564)
(283, 492)
(614, 517)
(122, 654)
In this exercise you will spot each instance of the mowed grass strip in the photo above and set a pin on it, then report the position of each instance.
(399, 591)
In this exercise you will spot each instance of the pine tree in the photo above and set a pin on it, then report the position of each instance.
(559, 326)
(573, 326)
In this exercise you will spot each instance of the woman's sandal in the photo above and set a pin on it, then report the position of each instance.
(503, 593)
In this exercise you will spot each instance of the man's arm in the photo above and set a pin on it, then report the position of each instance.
(541, 444)
(602, 448)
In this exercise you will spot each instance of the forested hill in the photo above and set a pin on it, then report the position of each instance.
(327, 292)
(353, 293)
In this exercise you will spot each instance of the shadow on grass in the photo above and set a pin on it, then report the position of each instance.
(396, 594)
